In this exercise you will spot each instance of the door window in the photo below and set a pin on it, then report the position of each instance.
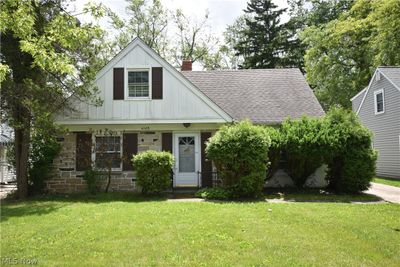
(187, 161)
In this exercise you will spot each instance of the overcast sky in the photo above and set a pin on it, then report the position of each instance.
(222, 12)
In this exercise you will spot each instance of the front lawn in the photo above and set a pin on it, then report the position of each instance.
(387, 181)
(129, 230)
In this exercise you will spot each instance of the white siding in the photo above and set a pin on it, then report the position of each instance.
(178, 103)
(385, 127)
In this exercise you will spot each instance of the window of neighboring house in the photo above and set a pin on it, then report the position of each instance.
(379, 101)
(108, 152)
(138, 83)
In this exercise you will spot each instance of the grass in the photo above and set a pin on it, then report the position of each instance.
(317, 195)
(387, 181)
(130, 230)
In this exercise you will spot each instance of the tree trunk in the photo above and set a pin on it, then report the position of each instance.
(22, 141)
(108, 180)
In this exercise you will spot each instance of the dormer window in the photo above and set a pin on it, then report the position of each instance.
(138, 85)
(379, 102)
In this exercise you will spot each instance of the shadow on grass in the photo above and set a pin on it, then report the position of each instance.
(317, 195)
(45, 204)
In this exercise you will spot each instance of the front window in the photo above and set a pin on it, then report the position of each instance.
(379, 102)
(138, 83)
(108, 152)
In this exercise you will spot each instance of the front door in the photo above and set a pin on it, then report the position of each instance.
(187, 159)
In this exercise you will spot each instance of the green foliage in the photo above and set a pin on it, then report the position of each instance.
(342, 54)
(91, 177)
(338, 140)
(274, 151)
(43, 151)
(240, 153)
(262, 37)
(214, 193)
(48, 56)
(153, 170)
(351, 160)
(303, 147)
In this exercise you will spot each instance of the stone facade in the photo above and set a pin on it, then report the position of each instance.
(149, 141)
(67, 180)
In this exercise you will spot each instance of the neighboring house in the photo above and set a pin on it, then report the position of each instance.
(378, 107)
(152, 105)
(6, 170)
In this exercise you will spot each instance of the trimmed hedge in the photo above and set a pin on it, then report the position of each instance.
(338, 140)
(240, 153)
(349, 154)
(274, 151)
(303, 147)
(153, 170)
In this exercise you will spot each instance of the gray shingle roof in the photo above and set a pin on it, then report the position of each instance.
(264, 96)
(393, 73)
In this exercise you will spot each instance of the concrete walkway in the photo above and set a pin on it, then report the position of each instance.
(386, 192)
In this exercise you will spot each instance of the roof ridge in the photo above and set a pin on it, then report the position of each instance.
(241, 70)
(388, 67)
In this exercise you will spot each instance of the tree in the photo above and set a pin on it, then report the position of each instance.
(147, 19)
(47, 57)
(194, 42)
(262, 40)
(342, 54)
(307, 13)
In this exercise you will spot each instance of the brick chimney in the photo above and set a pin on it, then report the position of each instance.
(186, 65)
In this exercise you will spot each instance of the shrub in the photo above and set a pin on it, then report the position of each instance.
(350, 158)
(240, 154)
(44, 149)
(214, 193)
(153, 170)
(304, 147)
(91, 177)
(274, 151)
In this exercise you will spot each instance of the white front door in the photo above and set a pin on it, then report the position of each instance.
(187, 159)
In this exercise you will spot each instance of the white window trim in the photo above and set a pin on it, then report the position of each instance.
(94, 149)
(375, 102)
(126, 89)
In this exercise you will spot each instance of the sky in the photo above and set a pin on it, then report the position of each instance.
(221, 12)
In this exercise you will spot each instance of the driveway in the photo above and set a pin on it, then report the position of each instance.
(386, 192)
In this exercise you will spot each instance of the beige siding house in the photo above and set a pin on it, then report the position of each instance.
(378, 107)
(148, 104)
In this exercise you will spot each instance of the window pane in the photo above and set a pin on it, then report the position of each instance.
(379, 107)
(108, 160)
(379, 102)
(186, 154)
(379, 97)
(138, 83)
(108, 151)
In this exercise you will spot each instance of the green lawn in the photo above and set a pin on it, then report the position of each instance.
(129, 230)
(387, 181)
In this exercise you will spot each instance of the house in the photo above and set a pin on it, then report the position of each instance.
(6, 170)
(378, 107)
(149, 104)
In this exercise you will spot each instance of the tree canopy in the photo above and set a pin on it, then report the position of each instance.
(47, 57)
(342, 54)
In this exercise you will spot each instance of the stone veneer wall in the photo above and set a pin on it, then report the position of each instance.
(67, 180)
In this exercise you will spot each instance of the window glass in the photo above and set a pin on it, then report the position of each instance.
(138, 83)
(379, 102)
(187, 161)
(108, 152)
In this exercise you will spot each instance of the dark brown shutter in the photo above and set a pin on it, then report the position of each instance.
(166, 142)
(206, 165)
(157, 83)
(118, 83)
(83, 151)
(130, 148)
